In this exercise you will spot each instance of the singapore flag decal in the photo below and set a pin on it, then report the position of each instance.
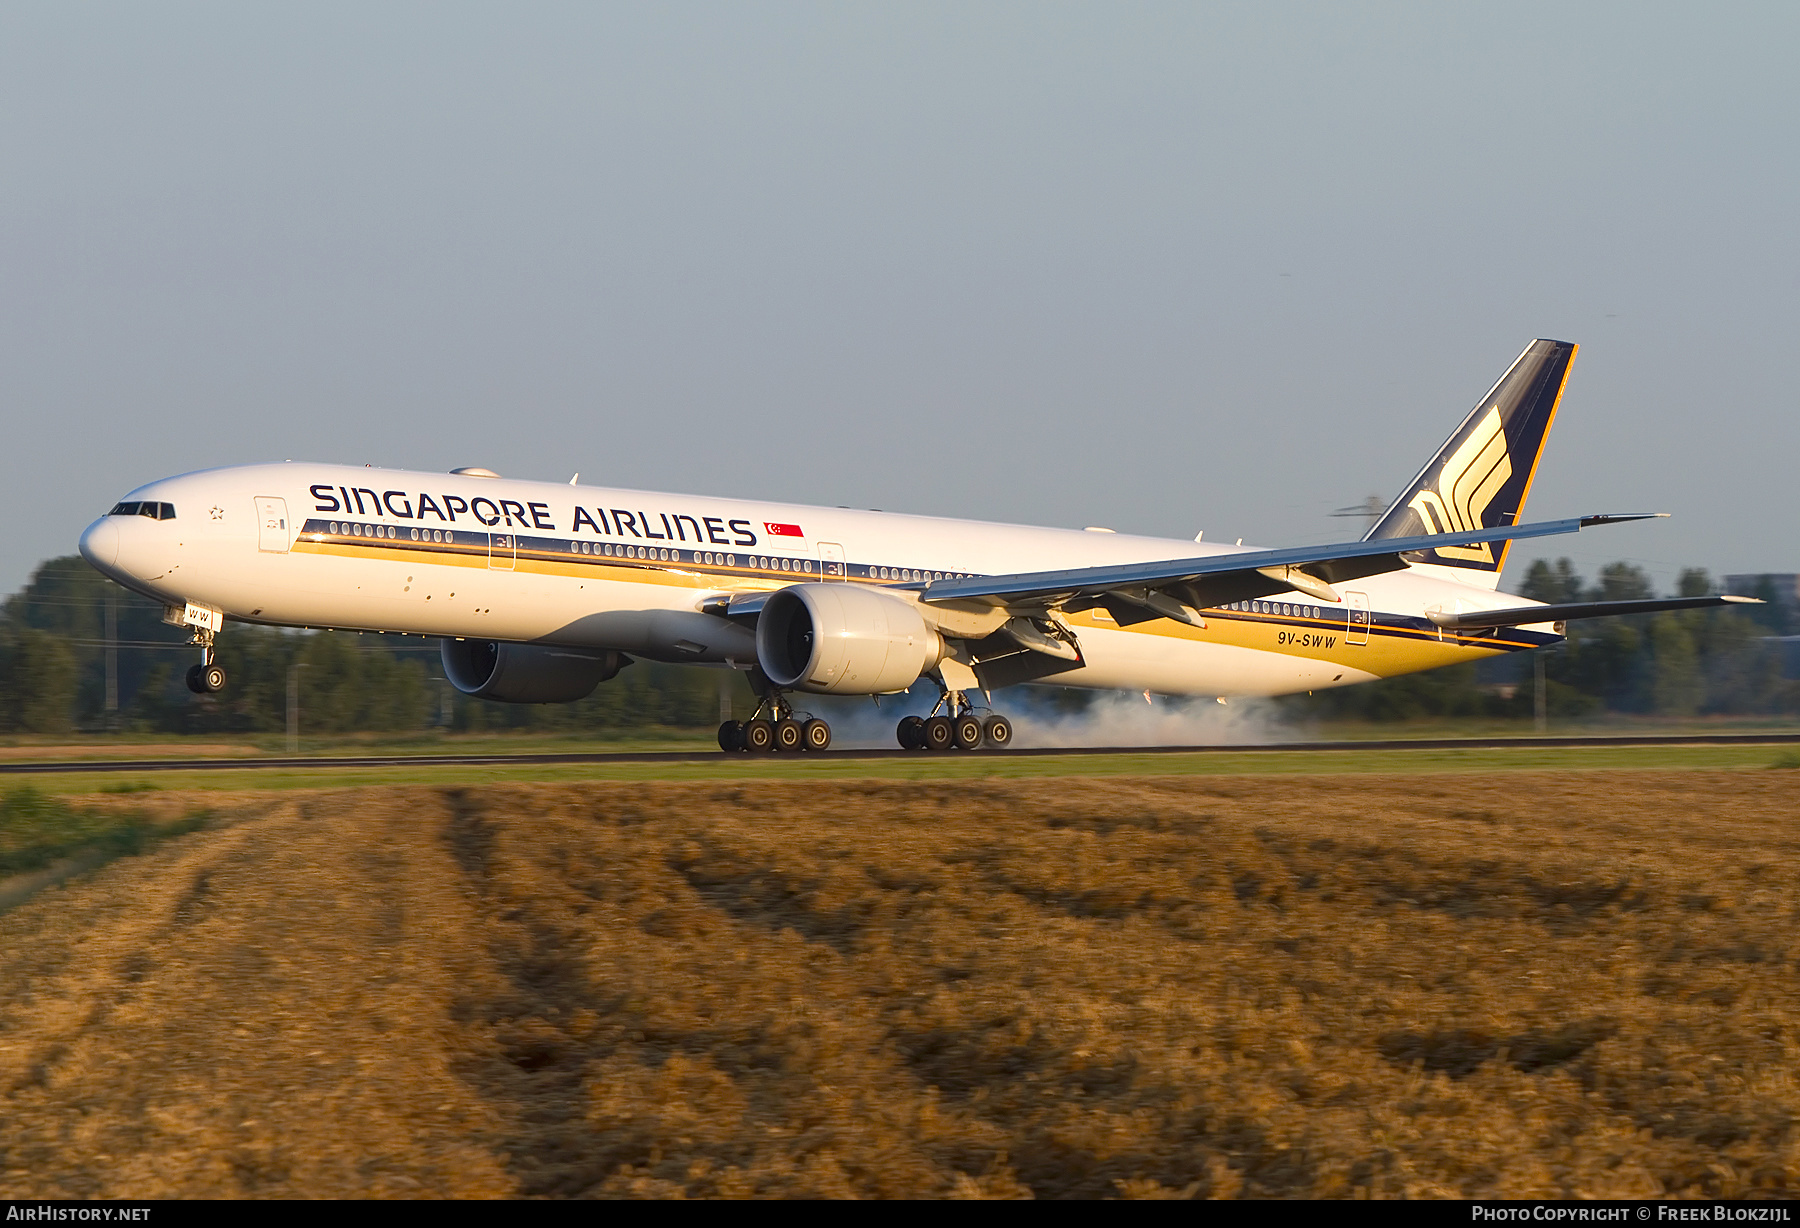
(783, 530)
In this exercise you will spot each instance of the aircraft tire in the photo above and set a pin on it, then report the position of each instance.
(212, 679)
(815, 735)
(911, 732)
(759, 737)
(968, 733)
(788, 737)
(731, 736)
(939, 733)
(193, 680)
(997, 731)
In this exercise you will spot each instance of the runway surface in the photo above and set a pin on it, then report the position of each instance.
(703, 755)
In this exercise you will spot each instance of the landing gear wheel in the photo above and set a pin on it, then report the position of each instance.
(940, 734)
(787, 736)
(911, 732)
(212, 679)
(759, 736)
(815, 735)
(731, 736)
(193, 680)
(998, 731)
(968, 733)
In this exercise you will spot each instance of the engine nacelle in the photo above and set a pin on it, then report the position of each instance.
(527, 673)
(843, 639)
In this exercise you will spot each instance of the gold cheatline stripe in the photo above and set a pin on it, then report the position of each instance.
(581, 566)
(1390, 651)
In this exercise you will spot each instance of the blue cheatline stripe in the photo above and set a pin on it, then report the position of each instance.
(599, 552)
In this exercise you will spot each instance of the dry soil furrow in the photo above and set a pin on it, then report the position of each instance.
(67, 966)
(1562, 985)
(285, 1025)
(530, 1023)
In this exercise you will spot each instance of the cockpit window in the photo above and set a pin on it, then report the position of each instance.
(155, 511)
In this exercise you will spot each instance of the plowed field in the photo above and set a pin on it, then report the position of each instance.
(1578, 984)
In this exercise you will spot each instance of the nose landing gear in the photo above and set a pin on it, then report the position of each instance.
(205, 679)
(953, 724)
(208, 677)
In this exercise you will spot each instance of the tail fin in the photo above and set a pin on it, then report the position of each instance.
(1480, 477)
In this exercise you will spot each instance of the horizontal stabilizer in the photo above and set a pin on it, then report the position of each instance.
(1588, 522)
(1521, 616)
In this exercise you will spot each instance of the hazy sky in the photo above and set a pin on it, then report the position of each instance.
(1158, 267)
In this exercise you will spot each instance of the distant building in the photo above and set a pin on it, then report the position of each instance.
(1790, 653)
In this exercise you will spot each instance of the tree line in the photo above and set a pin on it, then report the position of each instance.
(55, 674)
(1714, 662)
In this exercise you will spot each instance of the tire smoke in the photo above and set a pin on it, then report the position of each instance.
(1045, 717)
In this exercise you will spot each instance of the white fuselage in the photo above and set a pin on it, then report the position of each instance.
(446, 555)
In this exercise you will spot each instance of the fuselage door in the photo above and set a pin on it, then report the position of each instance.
(272, 525)
(1356, 606)
(503, 551)
(831, 560)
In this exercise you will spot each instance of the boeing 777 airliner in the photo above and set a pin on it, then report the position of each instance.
(540, 591)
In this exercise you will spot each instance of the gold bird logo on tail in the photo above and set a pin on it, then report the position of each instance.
(1467, 483)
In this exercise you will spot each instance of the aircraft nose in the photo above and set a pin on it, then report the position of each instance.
(100, 544)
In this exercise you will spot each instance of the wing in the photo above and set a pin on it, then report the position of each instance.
(1519, 616)
(1010, 637)
(1180, 588)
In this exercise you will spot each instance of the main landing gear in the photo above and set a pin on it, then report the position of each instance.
(953, 725)
(775, 727)
(208, 677)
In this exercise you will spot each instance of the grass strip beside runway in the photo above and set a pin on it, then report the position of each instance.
(720, 767)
